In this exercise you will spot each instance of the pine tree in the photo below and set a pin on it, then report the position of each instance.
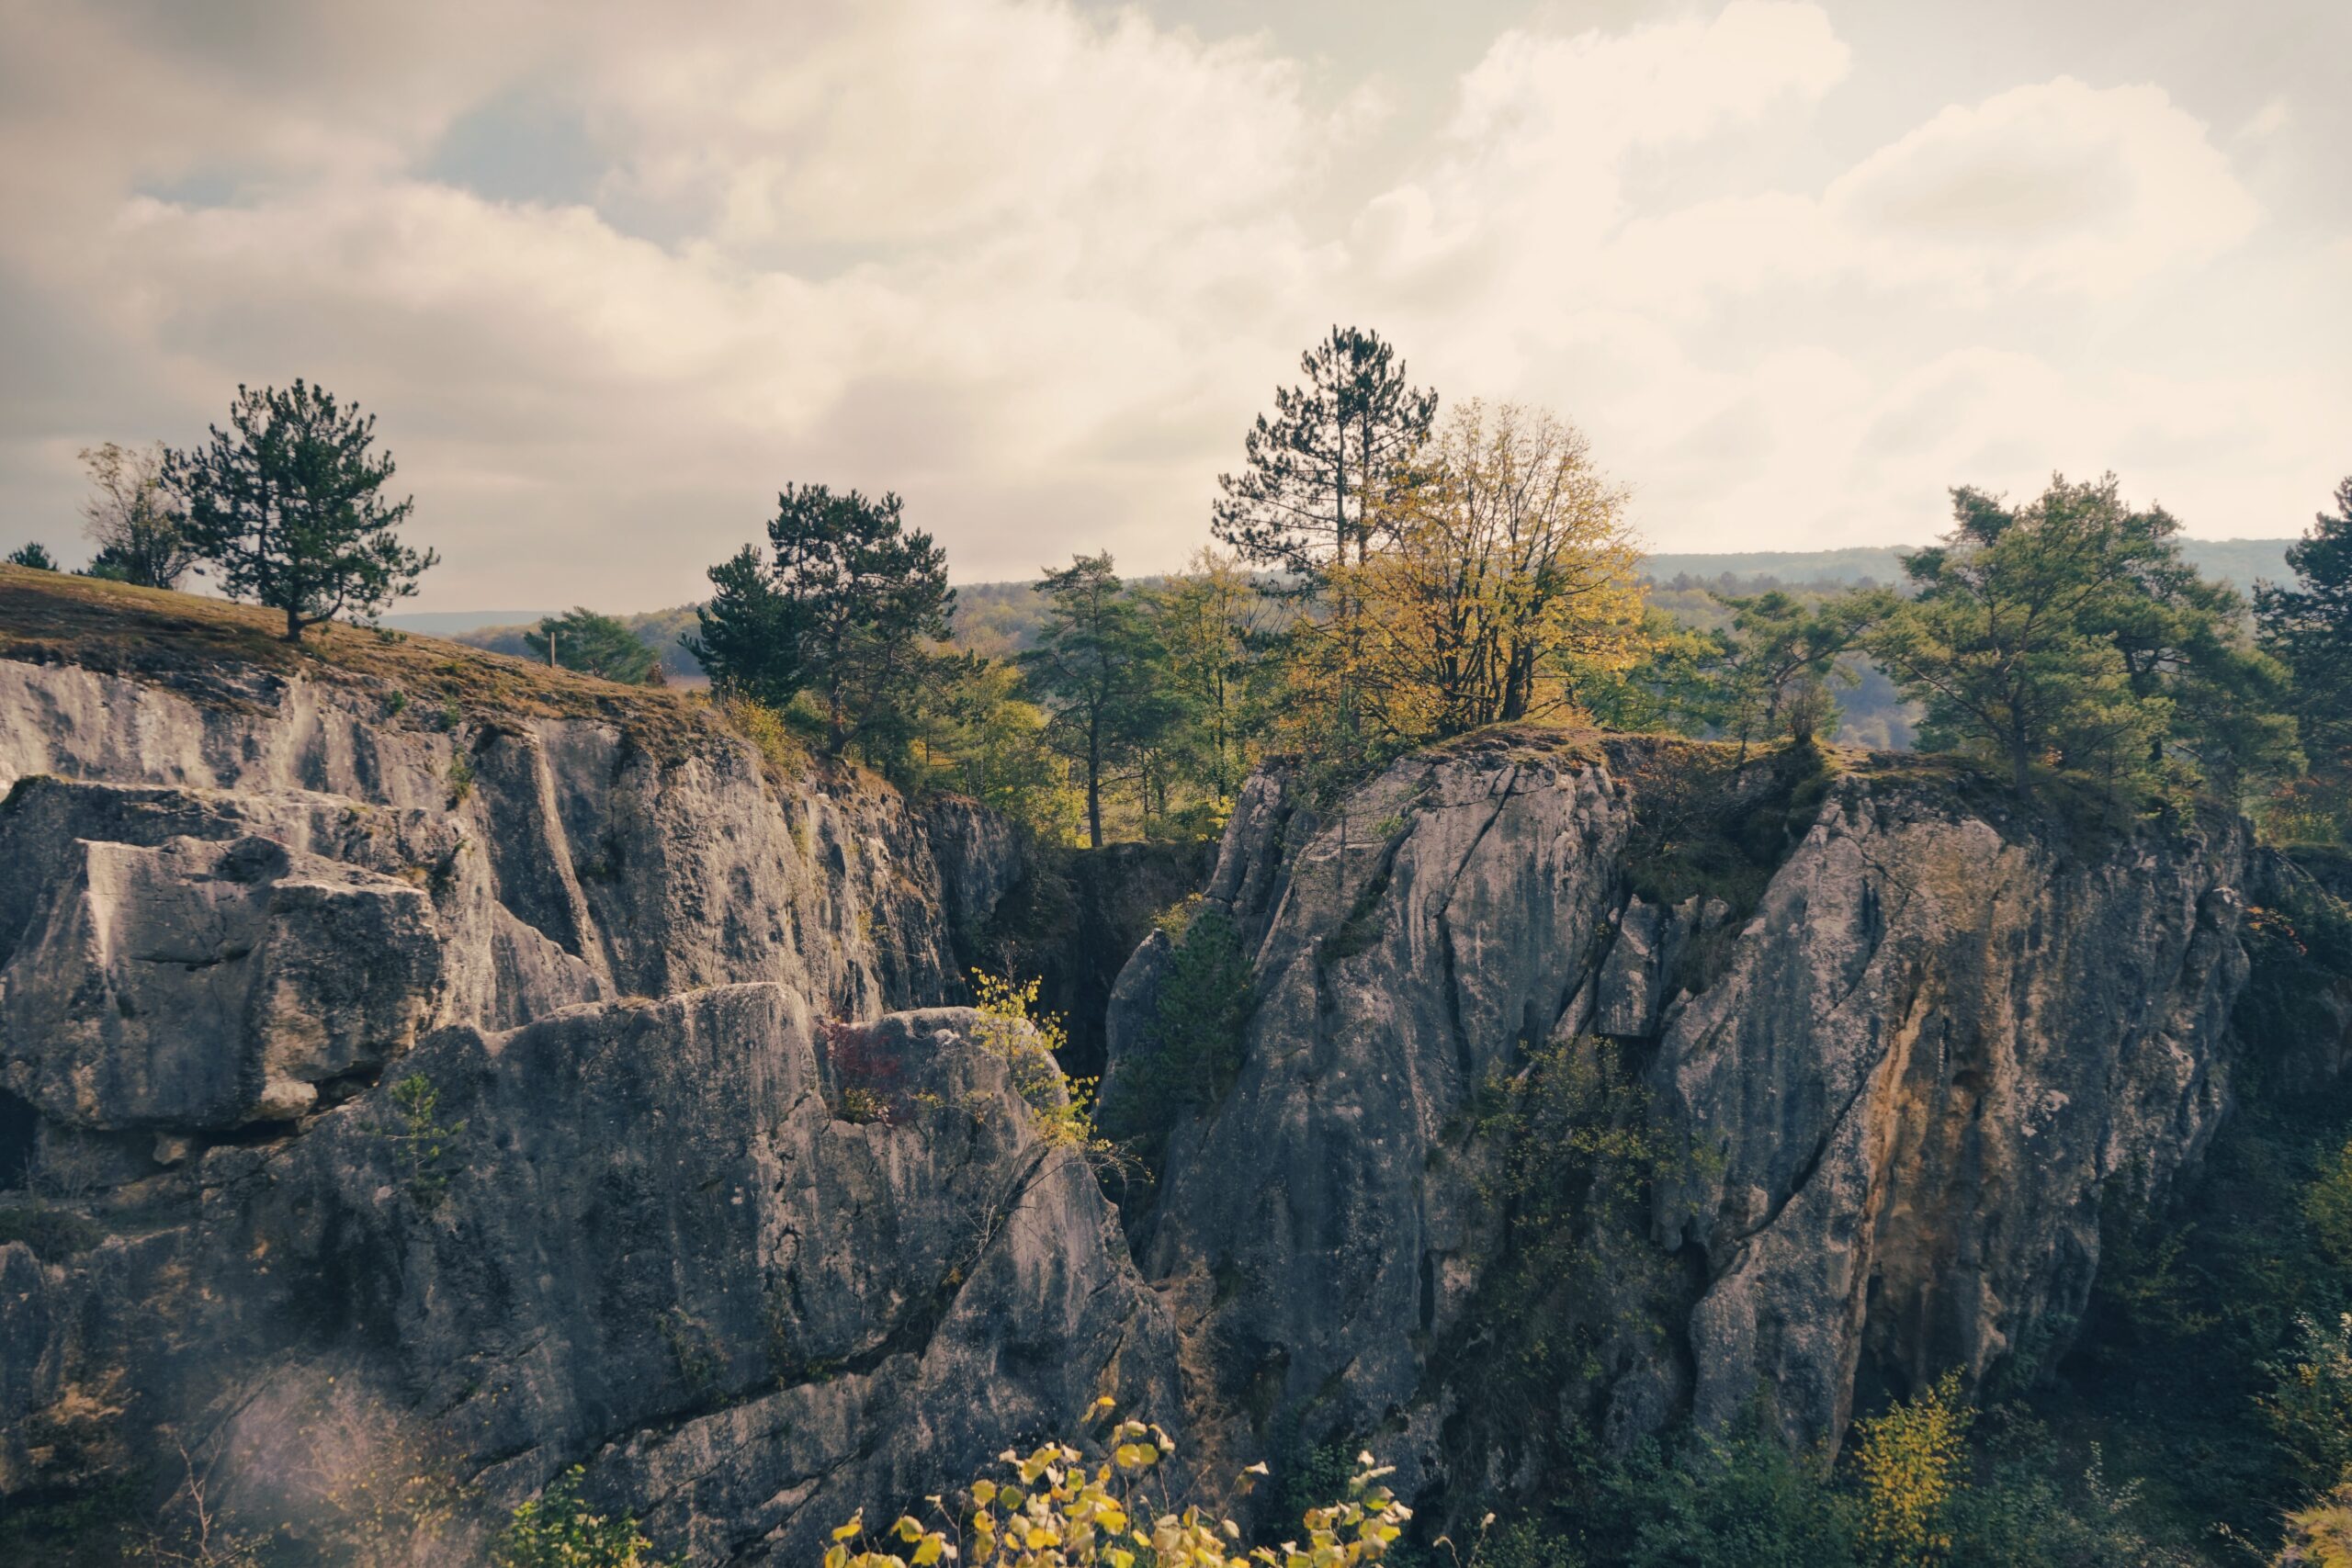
(748, 637)
(286, 507)
(593, 645)
(1101, 670)
(867, 593)
(2069, 631)
(1333, 445)
(2309, 629)
(34, 556)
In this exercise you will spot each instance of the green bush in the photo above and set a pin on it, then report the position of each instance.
(1192, 1045)
(556, 1530)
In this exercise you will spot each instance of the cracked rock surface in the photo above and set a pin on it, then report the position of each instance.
(601, 1112)
(1896, 1080)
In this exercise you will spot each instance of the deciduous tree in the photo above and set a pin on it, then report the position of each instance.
(133, 520)
(1504, 558)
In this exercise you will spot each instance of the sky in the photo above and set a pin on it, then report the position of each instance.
(609, 275)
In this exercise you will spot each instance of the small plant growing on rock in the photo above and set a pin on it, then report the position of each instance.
(461, 777)
(1055, 1509)
(869, 1080)
(1061, 1108)
(423, 1141)
(556, 1530)
(690, 1342)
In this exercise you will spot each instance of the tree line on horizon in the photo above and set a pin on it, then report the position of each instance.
(1384, 574)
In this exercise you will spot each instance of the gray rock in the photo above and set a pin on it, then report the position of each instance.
(200, 986)
(638, 1236)
(1903, 1081)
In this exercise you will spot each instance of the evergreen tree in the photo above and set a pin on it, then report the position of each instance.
(1778, 663)
(2069, 631)
(1215, 624)
(748, 637)
(1102, 672)
(34, 556)
(866, 594)
(2309, 629)
(286, 507)
(593, 645)
(1333, 445)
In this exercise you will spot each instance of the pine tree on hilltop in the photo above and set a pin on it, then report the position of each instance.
(286, 507)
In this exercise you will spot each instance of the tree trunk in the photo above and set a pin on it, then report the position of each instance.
(293, 625)
(1095, 784)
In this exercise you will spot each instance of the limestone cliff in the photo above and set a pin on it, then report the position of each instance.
(1593, 1082)
(419, 1068)
(414, 1065)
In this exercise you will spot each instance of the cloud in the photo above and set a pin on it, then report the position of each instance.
(1036, 267)
(2060, 185)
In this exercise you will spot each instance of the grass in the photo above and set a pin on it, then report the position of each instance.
(183, 641)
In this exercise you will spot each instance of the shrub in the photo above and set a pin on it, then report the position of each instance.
(770, 734)
(1028, 1040)
(556, 1530)
(2309, 1405)
(869, 1080)
(1056, 1509)
(1912, 1462)
(54, 1235)
(1192, 1045)
(461, 778)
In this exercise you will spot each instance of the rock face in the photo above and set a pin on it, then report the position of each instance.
(391, 1097)
(461, 1095)
(201, 987)
(1887, 1050)
(634, 863)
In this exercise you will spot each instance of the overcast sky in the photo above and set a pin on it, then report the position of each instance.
(611, 274)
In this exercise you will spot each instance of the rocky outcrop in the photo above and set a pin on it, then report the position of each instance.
(657, 856)
(1888, 1052)
(202, 986)
(638, 1235)
(394, 1097)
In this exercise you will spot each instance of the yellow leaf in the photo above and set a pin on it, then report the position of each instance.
(927, 1553)
(856, 1524)
(983, 1493)
(838, 1557)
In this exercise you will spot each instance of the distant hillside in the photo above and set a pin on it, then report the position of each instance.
(1001, 618)
(2241, 561)
(454, 623)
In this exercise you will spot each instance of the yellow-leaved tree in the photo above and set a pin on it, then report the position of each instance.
(1913, 1462)
(1503, 568)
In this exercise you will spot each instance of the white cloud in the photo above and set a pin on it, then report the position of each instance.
(2059, 183)
(1036, 268)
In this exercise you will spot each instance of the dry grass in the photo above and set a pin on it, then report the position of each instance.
(186, 643)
